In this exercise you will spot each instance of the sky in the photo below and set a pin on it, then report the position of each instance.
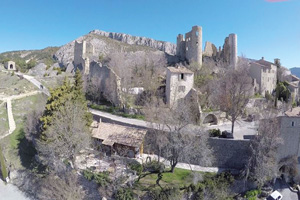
(265, 28)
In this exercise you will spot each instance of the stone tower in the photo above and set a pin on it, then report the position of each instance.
(190, 47)
(233, 50)
(83, 51)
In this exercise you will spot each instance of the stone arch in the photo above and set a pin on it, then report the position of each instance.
(210, 119)
(11, 66)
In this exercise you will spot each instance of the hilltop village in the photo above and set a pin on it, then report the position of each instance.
(117, 116)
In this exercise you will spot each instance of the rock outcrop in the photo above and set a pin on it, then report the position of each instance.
(108, 43)
(167, 47)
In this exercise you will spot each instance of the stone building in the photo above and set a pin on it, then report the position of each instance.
(179, 83)
(294, 83)
(123, 140)
(83, 53)
(289, 126)
(264, 74)
(10, 65)
(190, 47)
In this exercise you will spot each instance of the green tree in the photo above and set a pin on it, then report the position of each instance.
(282, 91)
(65, 124)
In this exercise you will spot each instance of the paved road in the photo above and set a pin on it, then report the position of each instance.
(241, 129)
(283, 188)
(11, 192)
(122, 120)
(35, 82)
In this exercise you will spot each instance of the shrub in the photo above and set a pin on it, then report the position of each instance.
(252, 194)
(214, 133)
(154, 166)
(124, 194)
(100, 178)
(88, 175)
(136, 166)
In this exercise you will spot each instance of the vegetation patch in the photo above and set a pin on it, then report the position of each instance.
(101, 178)
(3, 166)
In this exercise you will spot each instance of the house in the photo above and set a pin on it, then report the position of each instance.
(122, 140)
(179, 83)
(264, 74)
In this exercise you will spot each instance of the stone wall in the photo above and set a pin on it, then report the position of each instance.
(290, 134)
(229, 153)
(108, 82)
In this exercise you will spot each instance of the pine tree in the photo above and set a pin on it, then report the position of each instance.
(58, 97)
(65, 93)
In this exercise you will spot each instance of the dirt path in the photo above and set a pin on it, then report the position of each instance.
(10, 116)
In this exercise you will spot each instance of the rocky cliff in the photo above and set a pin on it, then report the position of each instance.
(143, 41)
(106, 43)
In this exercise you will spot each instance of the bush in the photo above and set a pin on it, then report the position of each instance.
(88, 175)
(214, 133)
(124, 194)
(100, 178)
(154, 166)
(136, 166)
(252, 194)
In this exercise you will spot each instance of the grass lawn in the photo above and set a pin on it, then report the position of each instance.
(13, 85)
(10, 144)
(178, 179)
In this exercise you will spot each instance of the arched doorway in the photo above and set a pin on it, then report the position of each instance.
(11, 66)
(210, 119)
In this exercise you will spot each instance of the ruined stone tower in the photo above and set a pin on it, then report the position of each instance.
(233, 50)
(83, 51)
(190, 47)
(229, 52)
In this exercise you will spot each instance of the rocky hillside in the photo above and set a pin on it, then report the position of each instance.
(110, 43)
(167, 47)
(26, 59)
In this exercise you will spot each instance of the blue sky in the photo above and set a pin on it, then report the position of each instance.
(269, 29)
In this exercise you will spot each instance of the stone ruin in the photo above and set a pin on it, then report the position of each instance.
(189, 48)
(83, 54)
(10, 65)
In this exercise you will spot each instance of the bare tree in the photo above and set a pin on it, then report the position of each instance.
(233, 92)
(66, 136)
(65, 187)
(174, 139)
(262, 163)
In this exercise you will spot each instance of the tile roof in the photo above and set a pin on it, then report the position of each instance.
(295, 112)
(180, 70)
(114, 133)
